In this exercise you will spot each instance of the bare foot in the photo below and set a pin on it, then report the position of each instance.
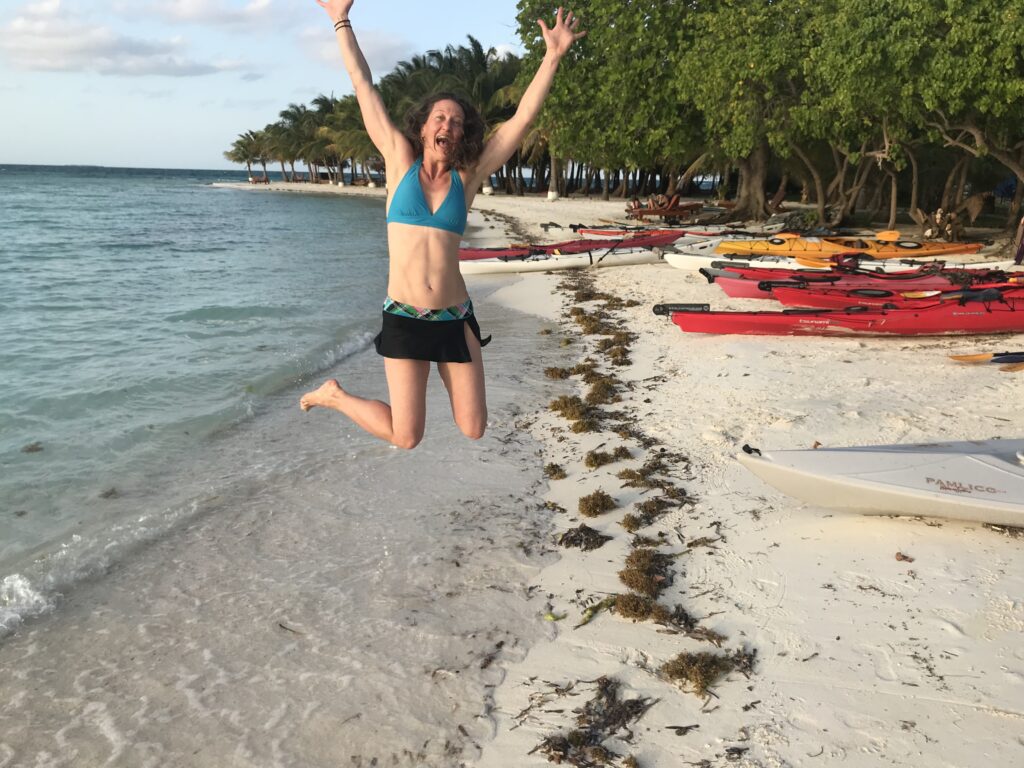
(323, 395)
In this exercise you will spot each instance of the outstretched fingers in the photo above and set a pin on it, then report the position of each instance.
(564, 32)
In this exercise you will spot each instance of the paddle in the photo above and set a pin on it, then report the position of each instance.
(668, 309)
(990, 357)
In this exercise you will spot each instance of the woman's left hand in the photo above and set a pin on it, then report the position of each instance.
(560, 37)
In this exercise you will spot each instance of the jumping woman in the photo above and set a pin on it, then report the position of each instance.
(434, 169)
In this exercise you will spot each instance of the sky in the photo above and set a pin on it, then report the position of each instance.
(150, 84)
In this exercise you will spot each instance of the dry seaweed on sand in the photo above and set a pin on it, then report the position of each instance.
(593, 324)
(587, 370)
(631, 522)
(679, 620)
(557, 373)
(697, 672)
(603, 390)
(647, 571)
(619, 356)
(617, 339)
(596, 503)
(601, 718)
(595, 459)
(582, 417)
(584, 537)
(593, 609)
(554, 471)
(646, 541)
(649, 510)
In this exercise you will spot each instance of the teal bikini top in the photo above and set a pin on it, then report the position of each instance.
(409, 206)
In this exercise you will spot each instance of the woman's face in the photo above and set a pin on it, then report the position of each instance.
(444, 127)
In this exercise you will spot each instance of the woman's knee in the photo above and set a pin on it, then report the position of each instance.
(407, 440)
(474, 428)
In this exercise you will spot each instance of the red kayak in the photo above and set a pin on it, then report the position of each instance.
(763, 287)
(471, 254)
(752, 272)
(642, 242)
(819, 297)
(632, 243)
(994, 314)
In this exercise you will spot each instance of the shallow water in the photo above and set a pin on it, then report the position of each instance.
(273, 588)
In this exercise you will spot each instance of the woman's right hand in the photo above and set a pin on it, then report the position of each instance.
(336, 9)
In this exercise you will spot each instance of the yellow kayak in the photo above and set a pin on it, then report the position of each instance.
(878, 247)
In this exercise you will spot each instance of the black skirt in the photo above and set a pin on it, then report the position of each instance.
(440, 341)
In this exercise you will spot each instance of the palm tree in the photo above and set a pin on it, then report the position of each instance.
(346, 136)
(249, 148)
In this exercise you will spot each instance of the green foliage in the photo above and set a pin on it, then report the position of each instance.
(657, 83)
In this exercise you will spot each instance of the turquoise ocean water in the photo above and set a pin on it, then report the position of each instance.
(185, 557)
(141, 311)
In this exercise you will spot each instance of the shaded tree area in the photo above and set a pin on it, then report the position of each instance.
(857, 107)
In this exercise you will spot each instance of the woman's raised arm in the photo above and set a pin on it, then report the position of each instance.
(383, 133)
(506, 140)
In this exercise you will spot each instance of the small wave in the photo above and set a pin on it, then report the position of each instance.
(229, 314)
(18, 601)
(37, 587)
(317, 362)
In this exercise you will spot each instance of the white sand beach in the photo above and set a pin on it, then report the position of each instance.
(878, 640)
(853, 640)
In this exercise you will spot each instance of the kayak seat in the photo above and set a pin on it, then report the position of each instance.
(985, 296)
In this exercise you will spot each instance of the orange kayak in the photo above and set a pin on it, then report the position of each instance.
(825, 247)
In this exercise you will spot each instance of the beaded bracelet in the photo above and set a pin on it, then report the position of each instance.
(342, 24)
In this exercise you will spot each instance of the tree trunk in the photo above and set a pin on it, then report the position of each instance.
(819, 189)
(915, 176)
(606, 193)
(1018, 196)
(750, 202)
(893, 190)
(860, 180)
(961, 184)
(947, 190)
(780, 193)
(876, 201)
(690, 172)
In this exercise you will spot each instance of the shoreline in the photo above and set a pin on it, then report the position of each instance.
(854, 639)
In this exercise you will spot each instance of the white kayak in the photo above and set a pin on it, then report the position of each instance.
(544, 262)
(980, 480)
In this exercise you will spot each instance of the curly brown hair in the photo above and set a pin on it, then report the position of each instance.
(466, 153)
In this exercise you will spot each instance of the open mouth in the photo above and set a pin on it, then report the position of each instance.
(443, 142)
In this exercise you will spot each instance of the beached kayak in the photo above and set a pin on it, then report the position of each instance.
(745, 283)
(981, 481)
(545, 262)
(768, 288)
(818, 297)
(571, 254)
(818, 247)
(989, 313)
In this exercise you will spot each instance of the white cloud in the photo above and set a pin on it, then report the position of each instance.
(381, 50)
(253, 15)
(43, 38)
(503, 49)
(218, 12)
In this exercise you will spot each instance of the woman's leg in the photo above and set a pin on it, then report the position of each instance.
(465, 385)
(400, 423)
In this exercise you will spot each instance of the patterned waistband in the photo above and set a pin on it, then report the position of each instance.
(458, 312)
